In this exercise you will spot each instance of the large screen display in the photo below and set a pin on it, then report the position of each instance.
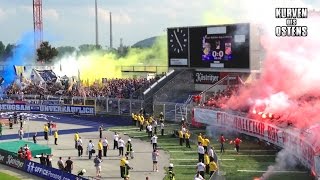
(221, 46)
(225, 46)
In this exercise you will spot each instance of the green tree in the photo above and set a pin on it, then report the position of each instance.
(9, 50)
(86, 48)
(62, 50)
(2, 49)
(46, 53)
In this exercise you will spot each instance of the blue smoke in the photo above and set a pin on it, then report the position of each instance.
(23, 54)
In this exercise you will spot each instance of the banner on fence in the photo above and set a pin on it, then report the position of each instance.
(48, 172)
(10, 160)
(88, 110)
(290, 139)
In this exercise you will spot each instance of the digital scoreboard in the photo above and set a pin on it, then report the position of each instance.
(221, 46)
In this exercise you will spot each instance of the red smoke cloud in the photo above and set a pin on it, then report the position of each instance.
(289, 84)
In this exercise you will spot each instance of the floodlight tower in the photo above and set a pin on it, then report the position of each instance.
(37, 23)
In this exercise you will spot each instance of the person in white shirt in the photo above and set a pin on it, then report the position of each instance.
(90, 149)
(121, 146)
(20, 133)
(210, 152)
(162, 128)
(184, 130)
(198, 176)
(80, 147)
(201, 167)
(201, 152)
(115, 141)
(105, 146)
(149, 129)
(154, 141)
(155, 124)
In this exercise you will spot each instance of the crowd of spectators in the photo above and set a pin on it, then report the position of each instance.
(112, 88)
(218, 99)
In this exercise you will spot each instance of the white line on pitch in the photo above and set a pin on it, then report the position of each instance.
(185, 165)
(258, 150)
(122, 129)
(245, 170)
(197, 159)
(253, 155)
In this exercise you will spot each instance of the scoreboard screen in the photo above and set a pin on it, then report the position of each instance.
(223, 46)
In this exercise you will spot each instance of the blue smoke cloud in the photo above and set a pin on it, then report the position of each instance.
(23, 54)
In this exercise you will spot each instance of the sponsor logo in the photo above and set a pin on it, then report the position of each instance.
(206, 77)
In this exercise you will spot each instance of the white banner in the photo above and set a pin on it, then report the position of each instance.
(90, 110)
(290, 139)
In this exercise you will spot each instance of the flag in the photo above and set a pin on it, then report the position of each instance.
(19, 70)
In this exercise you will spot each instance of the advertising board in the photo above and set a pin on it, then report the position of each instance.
(63, 109)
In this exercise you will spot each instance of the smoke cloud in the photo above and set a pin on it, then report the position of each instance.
(22, 54)
(289, 81)
(97, 65)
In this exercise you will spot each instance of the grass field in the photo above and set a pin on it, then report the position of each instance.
(4, 176)
(251, 162)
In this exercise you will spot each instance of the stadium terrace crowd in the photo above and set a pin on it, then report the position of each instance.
(112, 88)
(221, 97)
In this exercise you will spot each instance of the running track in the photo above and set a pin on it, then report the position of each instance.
(93, 123)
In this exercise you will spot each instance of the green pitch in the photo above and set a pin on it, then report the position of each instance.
(252, 161)
(4, 176)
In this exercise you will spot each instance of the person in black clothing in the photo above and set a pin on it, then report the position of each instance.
(34, 138)
(42, 159)
(15, 117)
(100, 131)
(69, 165)
(48, 161)
(21, 121)
(10, 122)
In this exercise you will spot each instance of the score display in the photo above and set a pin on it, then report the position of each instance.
(221, 46)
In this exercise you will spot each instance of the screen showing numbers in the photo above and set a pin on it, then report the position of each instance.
(209, 49)
(216, 47)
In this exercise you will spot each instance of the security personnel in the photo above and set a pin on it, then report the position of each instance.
(46, 130)
(206, 143)
(200, 139)
(123, 162)
(171, 173)
(126, 171)
(180, 137)
(100, 147)
(140, 122)
(212, 166)
(135, 119)
(76, 138)
(129, 148)
(55, 135)
(207, 161)
(187, 136)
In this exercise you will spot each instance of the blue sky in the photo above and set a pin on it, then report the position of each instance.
(71, 22)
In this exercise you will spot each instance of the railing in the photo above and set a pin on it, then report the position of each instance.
(104, 105)
(304, 146)
(150, 69)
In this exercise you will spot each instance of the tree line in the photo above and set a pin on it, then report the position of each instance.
(46, 53)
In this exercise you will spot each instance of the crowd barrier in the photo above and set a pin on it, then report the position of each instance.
(35, 168)
(298, 143)
(63, 109)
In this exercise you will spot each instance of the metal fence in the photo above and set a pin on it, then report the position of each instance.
(111, 106)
